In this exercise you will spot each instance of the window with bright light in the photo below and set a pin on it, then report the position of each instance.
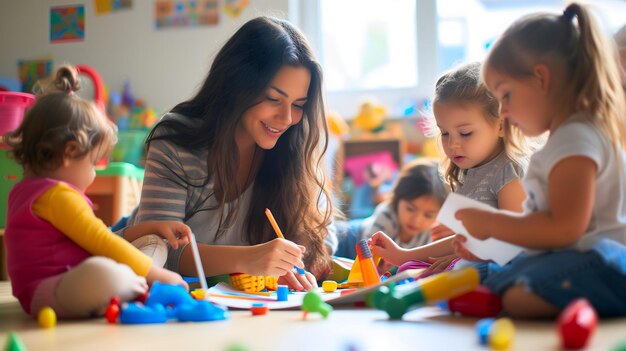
(392, 52)
(467, 28)
(368, 44)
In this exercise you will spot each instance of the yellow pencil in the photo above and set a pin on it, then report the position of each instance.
(279, 234)
(269, 215)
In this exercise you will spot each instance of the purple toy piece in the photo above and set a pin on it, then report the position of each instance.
(417, 264)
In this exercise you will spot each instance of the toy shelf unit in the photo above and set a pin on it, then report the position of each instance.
(355, 147)
(355, 156)
(116, 191)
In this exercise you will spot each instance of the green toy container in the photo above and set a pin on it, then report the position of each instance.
(130, 146)
(115, 169)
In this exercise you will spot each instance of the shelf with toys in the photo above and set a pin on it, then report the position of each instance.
(368, 152)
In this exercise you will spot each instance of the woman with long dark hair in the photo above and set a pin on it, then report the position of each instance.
(251, 138)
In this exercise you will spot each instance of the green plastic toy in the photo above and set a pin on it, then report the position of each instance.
(313, 302)
(14, 343)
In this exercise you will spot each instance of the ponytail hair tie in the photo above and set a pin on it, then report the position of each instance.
(569, 13)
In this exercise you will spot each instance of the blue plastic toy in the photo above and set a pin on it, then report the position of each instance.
(482, 329)
(282, 293)
(168, 301)
(168, 295)
(137, 313)
(201, 311)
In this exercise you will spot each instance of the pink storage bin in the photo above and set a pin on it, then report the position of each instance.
(12, 108)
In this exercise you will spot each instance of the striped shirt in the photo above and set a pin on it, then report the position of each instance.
(167, 196)
(385, 220)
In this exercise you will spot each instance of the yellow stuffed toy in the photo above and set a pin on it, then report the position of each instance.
(371, 117)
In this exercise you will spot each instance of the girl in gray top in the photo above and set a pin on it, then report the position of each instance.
(406, 217)
(251, 138)
(484, 160)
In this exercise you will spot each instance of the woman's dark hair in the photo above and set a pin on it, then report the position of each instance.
(289, 181)
(417, 179)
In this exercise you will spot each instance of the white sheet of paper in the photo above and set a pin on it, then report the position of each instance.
(491, 249)
(295, 298)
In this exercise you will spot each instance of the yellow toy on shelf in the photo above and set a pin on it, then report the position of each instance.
(371, 117)
(337, 126)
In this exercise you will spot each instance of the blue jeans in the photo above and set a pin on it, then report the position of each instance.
(563, 276)
(348, 234)
(120, 224)
(362, 205)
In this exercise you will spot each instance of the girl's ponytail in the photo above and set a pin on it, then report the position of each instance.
(573, 40)
(596, 79)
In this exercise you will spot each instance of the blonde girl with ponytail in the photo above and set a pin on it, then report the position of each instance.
(559, 74)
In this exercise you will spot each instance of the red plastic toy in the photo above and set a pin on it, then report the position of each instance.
(577, 323)
(481, 303)
(143, 297)
(111, 313)
(259, 309)
(115, 300)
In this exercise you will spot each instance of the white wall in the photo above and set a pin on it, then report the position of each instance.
(163, 67)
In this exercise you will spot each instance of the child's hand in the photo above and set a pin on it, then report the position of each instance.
(176, 233)
(383, 246)
(439, 232)
(475, 221)
(165, 276)
(383, 266)
(276, 257)
(461, 251)
(298, 282)
(439, 264)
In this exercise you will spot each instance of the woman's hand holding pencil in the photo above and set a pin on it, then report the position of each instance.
(302, 280)
(276, 257)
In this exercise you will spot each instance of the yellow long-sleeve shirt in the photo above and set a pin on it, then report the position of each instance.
(66, 209)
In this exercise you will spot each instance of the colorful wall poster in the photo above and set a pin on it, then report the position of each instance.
(67, 23)
(30, 71)
(233, 8)
(104, 7)
(186, 13)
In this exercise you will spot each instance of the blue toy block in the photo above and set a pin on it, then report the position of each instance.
(136, 313)
(201, 311)
(168, 295)
(483, 327)
(282, 293)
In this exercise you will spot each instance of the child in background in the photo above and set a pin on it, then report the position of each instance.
(559, 73)
(485, 159)
(58, 253)
(407, 217)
